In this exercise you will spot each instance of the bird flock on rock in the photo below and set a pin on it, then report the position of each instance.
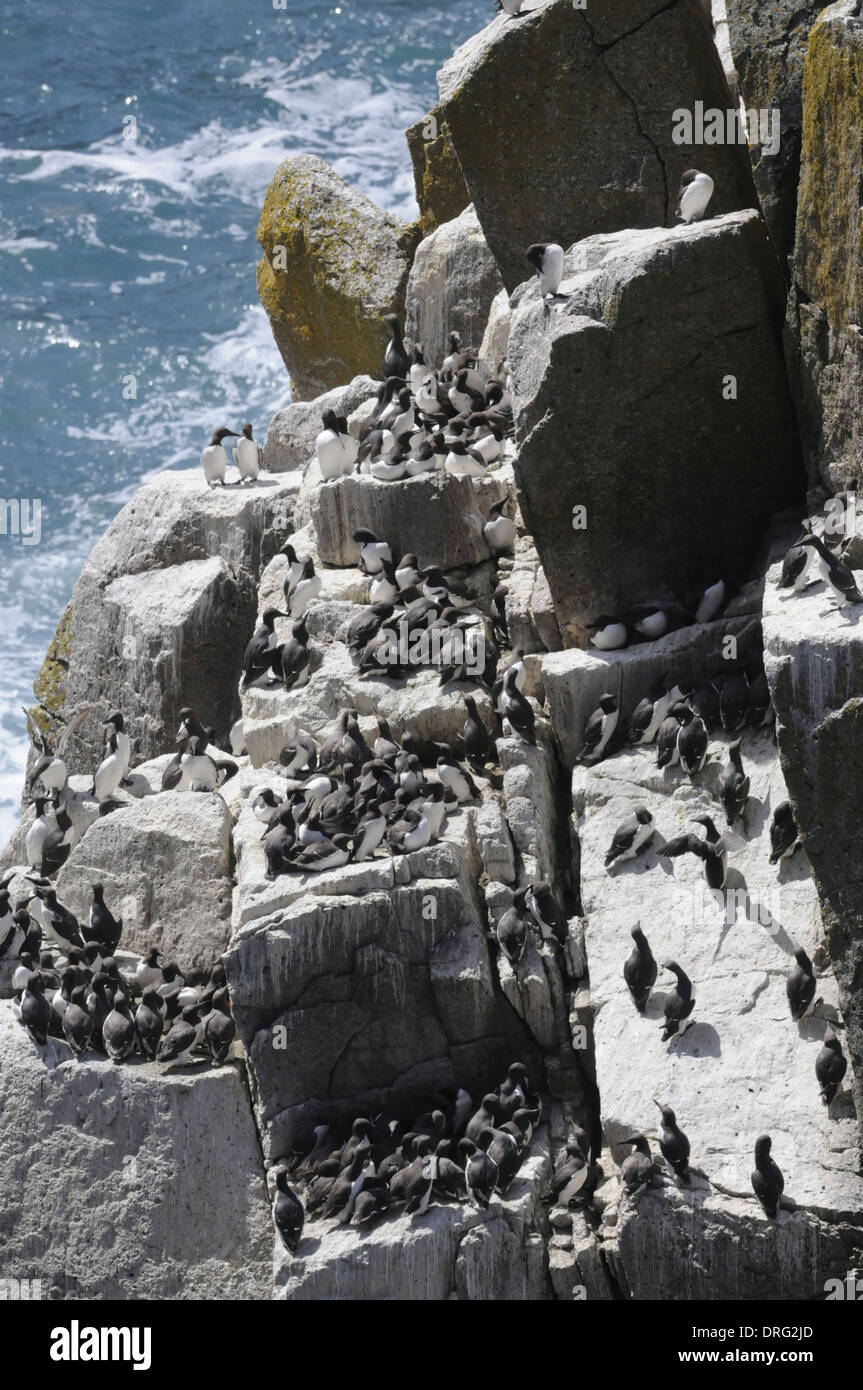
(679, 717)
(450, 1152)
(69, 984)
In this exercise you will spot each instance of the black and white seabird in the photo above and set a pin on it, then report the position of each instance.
(830, 1067)
(78, 1021)
(734, 785)
(499, 530)
(837, 575)
(679, 1004)
(35, 1009)
(544, 910)
(288, 1213)
(373, 552)
(547, 258)
(784, 839)
(396, 362)
(609, 633)
(214, 459)
(696, 190)
(673, 1144)
(105, 929)
(247, 455)
(710, 603)
(516, 708)
(118, 1029)
(712, 851)
(599, 729)
(768, 1183)
(480, 1170)
(734, 702)
(631, 836)
(294, 656)
(219, 1028)
(148, 1023)
(571, 1169)
(691, 740)
(638, 1169)
(257, 659)
(511, 930)
(640, 970)
(306, 589)
(800, 986)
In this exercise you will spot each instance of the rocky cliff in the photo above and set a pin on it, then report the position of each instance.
(655, 416)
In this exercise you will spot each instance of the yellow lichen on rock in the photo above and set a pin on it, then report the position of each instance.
(333, 264)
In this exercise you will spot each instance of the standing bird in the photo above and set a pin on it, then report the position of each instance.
(512, 928)
(288, 1213)
(696, 190)
(105, 929)
(830, 1067)
(294, 656)
(77, 1021)
(768, 1183)
(477, 740)
(599, 729)
(734, 785)
(35, 1009)
(214, 459)
(307, 588)
(396, 361)
(110, 772)
(678, 1005)
(219, 1028)
(640, 970)
(480, 1170)
(838, 576)
(691, 740)
(257, 659)
(673, 1144)
(800, 986)
(546, 257)
(516, 708)
(638, 1169)
(247, 455)
(784, 839)
(631, 836)
(118, 1029)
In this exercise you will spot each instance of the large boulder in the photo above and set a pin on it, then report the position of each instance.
(768, 47)
(451, 288)
(165, 865)
(163, 607)
(292, 431)
(110, 1178)
(333, 264)
(813, 656)
(437, 516)
(559, 150)
(824, 340)
(654, 398)
(371, 985)
(441, 191)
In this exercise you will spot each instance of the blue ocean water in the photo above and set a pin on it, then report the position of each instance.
(136, 144)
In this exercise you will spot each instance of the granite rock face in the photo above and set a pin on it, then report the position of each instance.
(768, 48)
(560, 152)
(452, 284)
(163, 607)
(119, 1176)
(440, 187)
(165, 865)
(621, 392)
(437, 517)
(333, 264)
(814, 664)
(743, 1067)
(824, 338)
